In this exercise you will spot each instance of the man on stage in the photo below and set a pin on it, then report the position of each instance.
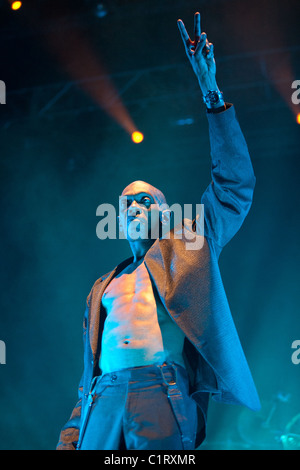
(159, 338)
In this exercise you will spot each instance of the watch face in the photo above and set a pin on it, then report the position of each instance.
(214, 97)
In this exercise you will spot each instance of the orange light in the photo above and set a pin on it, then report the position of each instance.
(16, 5)
(298, 118)
(137, 137)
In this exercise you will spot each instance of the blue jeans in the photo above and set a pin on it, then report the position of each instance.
(145, 407)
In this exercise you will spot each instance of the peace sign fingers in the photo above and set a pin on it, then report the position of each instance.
(184, 35)
(197, 27)
(200, 53)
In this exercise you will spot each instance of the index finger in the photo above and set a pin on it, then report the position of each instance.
(183, 32)
(197, 26)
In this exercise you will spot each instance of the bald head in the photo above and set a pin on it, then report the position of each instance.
(138, 187)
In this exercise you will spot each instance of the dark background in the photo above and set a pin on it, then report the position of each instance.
(76, 84)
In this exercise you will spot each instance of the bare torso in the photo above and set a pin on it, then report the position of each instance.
(138, 330)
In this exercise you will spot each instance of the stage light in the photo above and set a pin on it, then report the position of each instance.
(298, 118)
(137, 137)
(16, 5)
(88, 72)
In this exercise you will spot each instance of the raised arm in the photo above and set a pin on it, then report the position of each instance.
(228, 198)
(200, 53)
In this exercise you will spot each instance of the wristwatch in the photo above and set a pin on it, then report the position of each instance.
(213, 99)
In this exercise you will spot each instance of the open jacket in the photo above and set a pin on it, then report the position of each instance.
(190, 287)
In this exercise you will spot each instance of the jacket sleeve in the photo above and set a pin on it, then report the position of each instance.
(228, 198)
(70, 432)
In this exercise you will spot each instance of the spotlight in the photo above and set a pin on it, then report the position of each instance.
(137, 137)
(298, 118)
(15, 5)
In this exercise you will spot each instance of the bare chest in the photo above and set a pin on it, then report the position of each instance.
(130, 289)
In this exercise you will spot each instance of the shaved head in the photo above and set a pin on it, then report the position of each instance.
(137, 187)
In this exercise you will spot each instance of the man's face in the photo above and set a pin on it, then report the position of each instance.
(139, 211)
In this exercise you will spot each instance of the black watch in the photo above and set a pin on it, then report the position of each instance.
(213, 98)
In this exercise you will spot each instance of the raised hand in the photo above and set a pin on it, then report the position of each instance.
(201, 55)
